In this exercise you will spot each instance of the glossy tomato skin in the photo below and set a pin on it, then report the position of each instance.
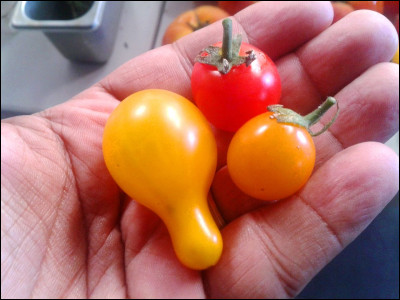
(160, 150)
(269, 160)
(229, 100)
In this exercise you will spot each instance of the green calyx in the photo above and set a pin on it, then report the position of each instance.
(228, 56)
(285, 115)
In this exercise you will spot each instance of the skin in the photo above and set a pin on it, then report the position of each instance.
(68, 231)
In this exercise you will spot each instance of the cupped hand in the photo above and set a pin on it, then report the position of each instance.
(68, 231)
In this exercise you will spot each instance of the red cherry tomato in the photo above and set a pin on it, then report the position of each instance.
(391, 9)
(229, 100)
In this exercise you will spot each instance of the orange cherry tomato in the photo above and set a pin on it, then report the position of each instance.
(269, 160)
(192, 20)
(340, 9)
(161, 151)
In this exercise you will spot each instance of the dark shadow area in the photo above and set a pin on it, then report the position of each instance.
(9, 113)
(368, 268)
(56, 10)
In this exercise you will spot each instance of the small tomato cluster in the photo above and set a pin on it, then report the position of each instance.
(161, 151)
(272, 154)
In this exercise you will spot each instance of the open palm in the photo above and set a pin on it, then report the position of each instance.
(68, 231)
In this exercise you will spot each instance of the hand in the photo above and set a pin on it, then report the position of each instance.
(68, 231)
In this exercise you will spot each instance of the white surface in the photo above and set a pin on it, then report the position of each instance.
(35, 76)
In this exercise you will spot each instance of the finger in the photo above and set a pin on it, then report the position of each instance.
(150, 260)
(369, 111)
(274, 251)
(170, 66)
(298, 23)
(281, 28)
(161, 68)
(369, 107)
(333, 59)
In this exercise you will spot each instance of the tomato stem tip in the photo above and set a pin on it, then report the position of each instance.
(227, 39)
(285, 115)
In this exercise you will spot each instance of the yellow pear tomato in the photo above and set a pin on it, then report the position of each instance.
(161, 151)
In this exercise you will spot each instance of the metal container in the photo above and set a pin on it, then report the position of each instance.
(89, 37)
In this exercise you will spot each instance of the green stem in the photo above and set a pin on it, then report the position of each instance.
(314, 116)
(227, 40)
(285, 115)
